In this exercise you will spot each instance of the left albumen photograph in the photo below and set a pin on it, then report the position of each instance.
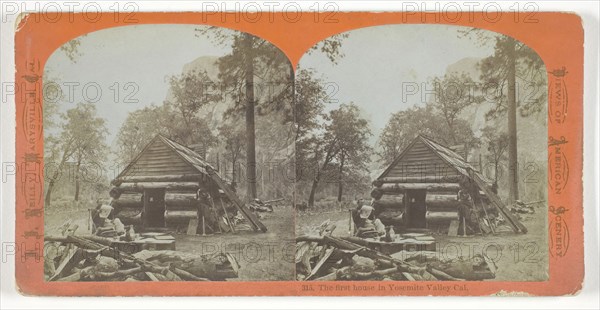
(168, 156)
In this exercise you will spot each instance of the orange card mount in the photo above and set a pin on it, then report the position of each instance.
(171, 211)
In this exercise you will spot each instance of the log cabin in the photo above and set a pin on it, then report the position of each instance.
(169, 185)
(419, 191)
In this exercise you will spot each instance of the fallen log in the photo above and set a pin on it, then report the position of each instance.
(106, 263)
(214, 267)
(320, 264)
(66, 260)
(361, 251)
(117, 274)
(186, 275)
(348, 273)
(442, 275)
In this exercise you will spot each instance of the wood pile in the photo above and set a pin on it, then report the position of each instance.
(93, 258)
(263, 206)
(324, 257)
(520, 207)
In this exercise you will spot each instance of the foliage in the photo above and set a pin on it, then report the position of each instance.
(142, 125)
(453, 94)
(343, 143)
(405, 125)
(530, 76)
(71, 49)
(51, 97)
(87, 131)
(82, 139)
(191, 92)
(331, 47)
(308, 112)
(350, 132)
(497, 145)
(233, 137)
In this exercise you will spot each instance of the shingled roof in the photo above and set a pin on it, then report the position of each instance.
(449, 156)
(193, 160)
(188, 155)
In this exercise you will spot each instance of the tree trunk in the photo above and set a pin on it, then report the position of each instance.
(52, 182)
(513, 177)
(49, 193)
(77, 179)
(293, 85)
(233, 182)
(311, 198)
(313, 190)
(341, 179)
(496, 171)
(250, 133)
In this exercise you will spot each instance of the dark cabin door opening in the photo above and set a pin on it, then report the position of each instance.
(416, 208)
(154, 208)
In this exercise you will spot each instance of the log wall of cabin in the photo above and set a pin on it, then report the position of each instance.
(420, 168)
(177, 178)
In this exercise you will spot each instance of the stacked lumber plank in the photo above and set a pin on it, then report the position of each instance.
(324, 257)
(93, 258)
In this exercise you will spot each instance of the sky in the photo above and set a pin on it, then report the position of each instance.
(135, 62)
(145, 55)
(380, 61)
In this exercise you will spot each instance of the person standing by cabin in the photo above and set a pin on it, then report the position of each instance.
(464, 212)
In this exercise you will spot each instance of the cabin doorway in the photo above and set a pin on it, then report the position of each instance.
(154, 208)
(416, 208)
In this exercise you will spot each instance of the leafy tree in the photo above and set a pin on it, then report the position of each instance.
(252, 57)
(497, 143)
(310, 100)
(142, 125)
(71, 48)
(191, 92)
(405, 125)
(90, 146)
(344, 140)
(82, 138)
(139, 128)
(453, 93)
(353, 136)
(51, 97)
(234, 138)
(512, 62)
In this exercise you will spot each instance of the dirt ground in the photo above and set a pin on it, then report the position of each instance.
(270, 256)
(262, 256)
(518, 257)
